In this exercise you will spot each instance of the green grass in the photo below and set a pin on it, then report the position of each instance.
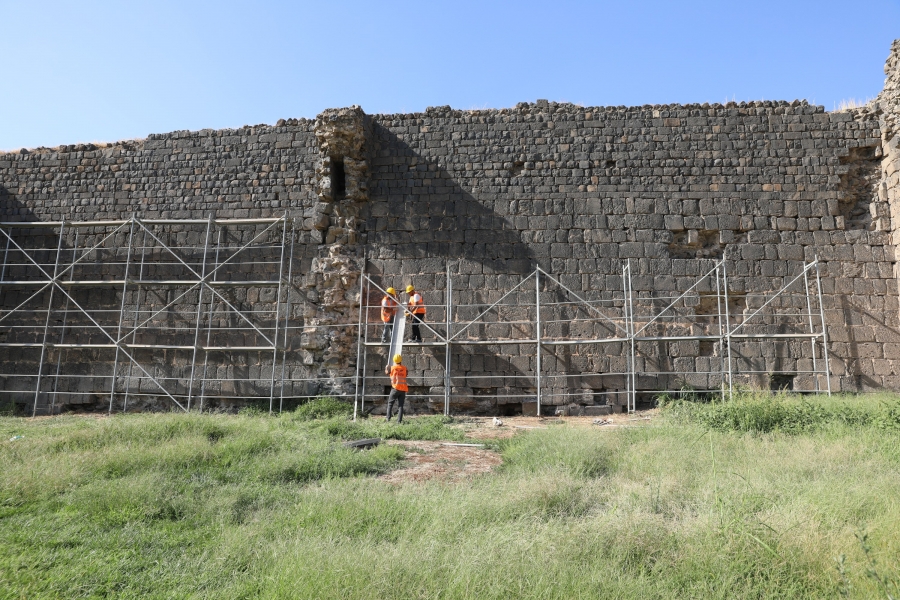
(695, 505)
(783, 412)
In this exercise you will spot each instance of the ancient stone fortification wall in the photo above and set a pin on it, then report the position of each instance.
(495, 193)
(579, 190)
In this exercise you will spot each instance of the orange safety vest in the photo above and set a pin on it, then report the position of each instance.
(388, 309)
(398, 378)
(416, 304)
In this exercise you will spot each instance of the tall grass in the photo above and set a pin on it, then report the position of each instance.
(253, 506)
(760, 413)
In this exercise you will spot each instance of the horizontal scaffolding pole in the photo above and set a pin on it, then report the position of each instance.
(138, 346)
(147, 282)
(573, 342)
(225, 222)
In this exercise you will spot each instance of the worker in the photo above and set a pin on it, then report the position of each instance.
(398, 387)
(417, 310)
(389, 306)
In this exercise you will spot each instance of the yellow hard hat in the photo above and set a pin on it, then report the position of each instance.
(398, 359)
(410, 289)
(391, 291)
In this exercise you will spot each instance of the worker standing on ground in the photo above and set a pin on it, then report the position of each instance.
(398, 387)
(389, 306)
(417, 310)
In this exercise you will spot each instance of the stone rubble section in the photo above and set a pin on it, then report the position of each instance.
(495, 193)
(887, 106)
(332, 281)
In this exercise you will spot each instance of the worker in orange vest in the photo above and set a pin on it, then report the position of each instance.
(389, 306)
(398, 387)
(417, 310)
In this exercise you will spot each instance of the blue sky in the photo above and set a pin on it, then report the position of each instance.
(85, 71)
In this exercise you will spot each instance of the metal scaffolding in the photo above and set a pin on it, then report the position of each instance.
(200, 311)
(632, 323)
(186, 289)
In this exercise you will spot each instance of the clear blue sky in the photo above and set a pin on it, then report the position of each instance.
(83, 70)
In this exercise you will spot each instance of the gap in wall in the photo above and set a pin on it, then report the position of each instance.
(338, 178)
(857, 186)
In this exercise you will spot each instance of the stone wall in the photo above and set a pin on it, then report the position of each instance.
(493, 194)
(887, 107)
(579, 191)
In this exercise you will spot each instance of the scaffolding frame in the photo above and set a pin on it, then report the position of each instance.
(628, 316)
(630, 330)
(121, 336)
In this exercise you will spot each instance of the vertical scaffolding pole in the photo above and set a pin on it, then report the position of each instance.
(277, 314)
(112, 384)
(37, 387)
(5, 255)
(627, 336)
(360, 348)
(202, 287)
(449, 300)
(824, 334)
(287, 312)
(362, 389)
(137, 309)
(209, 320)
(62, 332)
(721, 334)
(727, 328)
(812, 340)
(632, 401)
(537, 336)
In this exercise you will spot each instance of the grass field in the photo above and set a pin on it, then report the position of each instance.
(761, 497)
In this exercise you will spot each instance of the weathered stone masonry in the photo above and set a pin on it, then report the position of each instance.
(494, 193)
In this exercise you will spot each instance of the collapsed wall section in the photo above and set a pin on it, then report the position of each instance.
(887, 107)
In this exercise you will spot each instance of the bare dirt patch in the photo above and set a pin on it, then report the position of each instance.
(437, 460)
(483, 428)
(441, 461)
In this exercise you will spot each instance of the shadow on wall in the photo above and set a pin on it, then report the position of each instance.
(853, 314)
(13, 210)
(420, 220)
(23, 325)
(419, 211)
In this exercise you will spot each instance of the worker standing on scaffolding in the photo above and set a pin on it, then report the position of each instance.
(389, 306)
(398, 387)
(417, 310)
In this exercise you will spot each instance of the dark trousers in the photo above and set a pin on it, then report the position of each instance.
(387, 331)
(400, 398)
(416, 333)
